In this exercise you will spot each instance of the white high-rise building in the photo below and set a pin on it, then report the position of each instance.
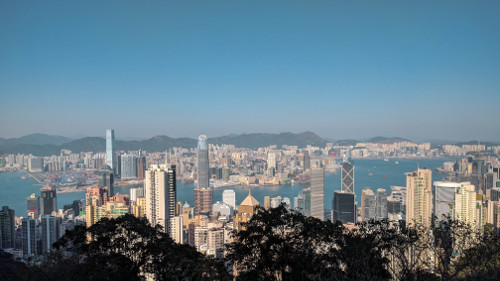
(135, 193)
(272, 160)
(465, 203)
(161, 196)
(444, 199)
(318, 194)
(177, 230)
(229, 197)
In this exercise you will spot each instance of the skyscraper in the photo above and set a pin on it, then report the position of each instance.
(107, 179)
(307, 160)
(203, 165)
(48, 199)
(160, 191)
(367, 205)
(33, 206)
(229, 197)
(272, 162)
(317, 194)
(465, 203)
(419, 198)
(381, 204)
(110, 153)
(203, 200)
(347, 177)
(30, 237)
(7, 227)
(141, 167)
(444, 199)
(50, 232)
(343, 207)
(129, 166)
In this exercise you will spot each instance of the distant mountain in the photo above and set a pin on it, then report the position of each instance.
(346, 142)
(162, 143)
(438, 141)
(38, 139)
(486, 143)
(257, 140)
(385, 140)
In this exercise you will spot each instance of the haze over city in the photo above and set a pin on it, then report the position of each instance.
(426, 70)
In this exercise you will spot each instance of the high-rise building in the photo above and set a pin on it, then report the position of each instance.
(138, 207)
(177, 232)
(110, 153)
(267, 202)
(48, 199)
(35, 164)
(30, 237)
(222, 209)
(287, 202)
(347, 177)
(141, 167)
(7, 227)
(276, 201)
(203, 165)
(216, 242)
(129, 166)
(381, 204)
(317, 194)
(307, 160)
(107, 179)
(367, 205)
(135, 193)
(343, 207)
(50, 232)
(161, 195)
(203, 200)
(95, 201)
(307, 201)
(272, 162)
(33, 206)
(465, 203)
(394, 209)
(229, 197)
(118, 165)
(419, 198)
(444, 199)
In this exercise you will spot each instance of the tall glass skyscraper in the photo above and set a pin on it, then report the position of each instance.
(203, 176)
(347, 177)
(110, 153)
(343, 207)
(48, 199)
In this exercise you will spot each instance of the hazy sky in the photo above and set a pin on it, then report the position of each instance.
(342, 69)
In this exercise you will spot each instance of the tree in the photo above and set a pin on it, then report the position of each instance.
(127, 248)
(279, 244)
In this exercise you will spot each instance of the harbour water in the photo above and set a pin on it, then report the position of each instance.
(14, 190)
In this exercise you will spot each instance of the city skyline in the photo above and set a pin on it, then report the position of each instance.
(341, 70)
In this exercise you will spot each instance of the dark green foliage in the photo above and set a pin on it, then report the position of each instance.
(127, 248)
(276, 244)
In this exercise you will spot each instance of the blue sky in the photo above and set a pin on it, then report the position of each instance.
(342, 69)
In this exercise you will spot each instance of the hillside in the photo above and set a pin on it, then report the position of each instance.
(156, 144)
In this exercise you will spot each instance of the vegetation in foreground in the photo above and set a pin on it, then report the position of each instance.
(276, 244)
